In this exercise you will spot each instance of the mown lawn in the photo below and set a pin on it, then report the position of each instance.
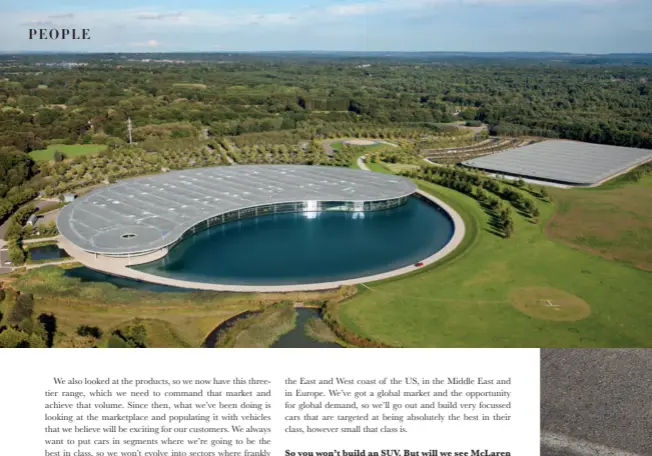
(336, 145)
(68, 150)
(466, 301)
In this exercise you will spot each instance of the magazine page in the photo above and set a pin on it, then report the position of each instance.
(394, 402)
(441, 211)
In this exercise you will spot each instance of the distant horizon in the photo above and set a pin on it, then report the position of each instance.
(320, 51)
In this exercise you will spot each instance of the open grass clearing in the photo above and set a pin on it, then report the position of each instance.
(67, 150)
(465, 301)
(377, 167)
(614, 221)
(550, 304)
(187, 85)
(160, 333)
(260, 330)
(337, 145)
(360, 142)
(400, 167)
(378, 147)
(317, 329)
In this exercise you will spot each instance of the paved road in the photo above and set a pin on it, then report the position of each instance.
(50, 263)
(4, 256)
(596, 402)
(37, 240)
(362, 164)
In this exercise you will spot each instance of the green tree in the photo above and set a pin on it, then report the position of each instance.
(16, 338)
(89, 331)
(543, 192)
(508, 228)
(16, 253)
(23, 309)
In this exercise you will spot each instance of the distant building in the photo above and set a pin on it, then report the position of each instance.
(69, 197)
(563, 162)
(31, 221)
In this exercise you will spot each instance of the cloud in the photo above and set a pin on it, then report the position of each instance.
(300, 27)
(35, 22)
(354, 9)
(239, 19)
(61, 16)
(148, 43)
(378, 6)
(159, 16)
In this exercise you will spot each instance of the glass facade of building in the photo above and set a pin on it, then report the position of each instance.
(280, 208)
(299, 206)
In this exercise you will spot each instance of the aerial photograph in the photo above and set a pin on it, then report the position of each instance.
(326, 173)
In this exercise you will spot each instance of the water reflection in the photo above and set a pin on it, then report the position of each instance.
(308, 247)
(89, 275)
(297, 338)
(47, 252)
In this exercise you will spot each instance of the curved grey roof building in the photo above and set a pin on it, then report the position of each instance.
(568, 162)
(145, 214)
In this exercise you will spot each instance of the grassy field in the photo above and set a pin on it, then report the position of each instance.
(260, 330)
(160, 333)
(370, 148)
(399, 167)
(185, 85)
(68, 151)
(177, 319)
(336, 145)
(318, 330)
(614, 221)
(378, 167)
(493, 293)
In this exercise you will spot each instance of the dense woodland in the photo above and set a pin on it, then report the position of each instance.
(212, 109)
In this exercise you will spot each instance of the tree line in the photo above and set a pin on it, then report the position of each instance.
(489, 192)
(41, 105)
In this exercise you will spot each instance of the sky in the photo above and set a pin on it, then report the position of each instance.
(577, 26)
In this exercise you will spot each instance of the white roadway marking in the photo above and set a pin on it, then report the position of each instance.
(579, 447)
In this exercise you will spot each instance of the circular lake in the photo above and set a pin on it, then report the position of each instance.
(308, 247)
